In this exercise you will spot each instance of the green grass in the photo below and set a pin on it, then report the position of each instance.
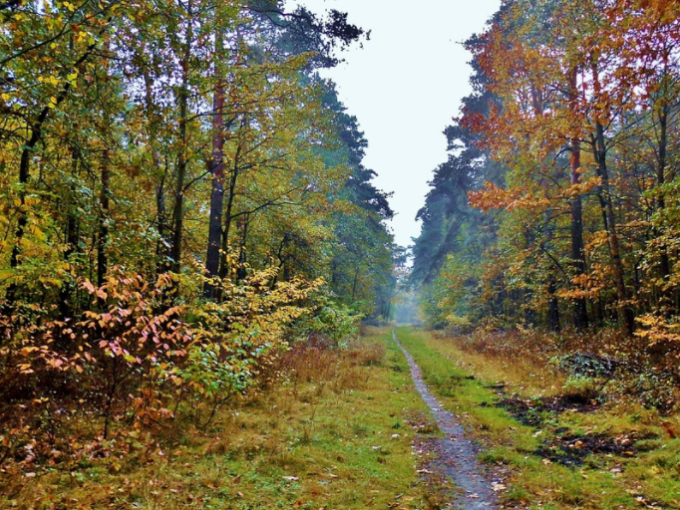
(342, 442)
(603, 482)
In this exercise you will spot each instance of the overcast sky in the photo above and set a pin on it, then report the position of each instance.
(405, 86)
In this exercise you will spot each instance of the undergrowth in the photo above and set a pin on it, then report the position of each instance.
(328, 428)
(535, 362)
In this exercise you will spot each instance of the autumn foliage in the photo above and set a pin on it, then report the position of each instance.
(182, 199)
(563, 193)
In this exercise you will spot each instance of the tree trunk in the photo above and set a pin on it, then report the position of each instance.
(163, 248)
(626, 317)
(72, 245)
(164, 242)
(625, 314)
(243, 254)
(212, 261)
(578, 254)
(104, 205)
(224, 263)
(664, 262)
(24, 176)
(182, 159)
(354, 286)
(553, 307)
(22, 220)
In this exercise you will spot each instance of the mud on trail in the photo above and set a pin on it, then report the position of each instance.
(454, 456)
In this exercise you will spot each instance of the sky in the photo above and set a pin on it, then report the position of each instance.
(405, 86)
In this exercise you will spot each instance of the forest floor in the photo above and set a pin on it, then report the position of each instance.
(555, 449)
(348, 429)
(335, 429)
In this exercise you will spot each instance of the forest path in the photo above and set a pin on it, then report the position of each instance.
(455, 456)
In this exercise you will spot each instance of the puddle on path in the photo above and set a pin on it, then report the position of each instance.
(455, 456)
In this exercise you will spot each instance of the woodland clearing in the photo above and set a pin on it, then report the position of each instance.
(191, 240)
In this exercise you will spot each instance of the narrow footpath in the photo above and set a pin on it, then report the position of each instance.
(455, 456)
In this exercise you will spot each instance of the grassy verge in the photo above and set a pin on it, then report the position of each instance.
(593, 457)
(331, 432)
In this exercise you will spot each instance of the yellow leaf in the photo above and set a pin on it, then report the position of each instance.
(25, 368)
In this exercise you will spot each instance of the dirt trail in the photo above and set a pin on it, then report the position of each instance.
(455, 455)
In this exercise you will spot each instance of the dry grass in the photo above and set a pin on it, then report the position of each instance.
(526, 363)
(505, 358)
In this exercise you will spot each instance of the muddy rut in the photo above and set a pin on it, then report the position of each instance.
(455, 456)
